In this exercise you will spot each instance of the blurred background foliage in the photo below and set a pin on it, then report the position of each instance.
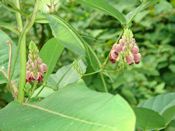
(153, 28)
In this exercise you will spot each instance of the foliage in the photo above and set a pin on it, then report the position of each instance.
(82, 89)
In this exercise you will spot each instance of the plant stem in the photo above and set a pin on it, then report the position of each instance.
(104, 82)
(22, 43)
(40, 90)
(10, 60)
(92, 73)
(18, 17)
(20, 27)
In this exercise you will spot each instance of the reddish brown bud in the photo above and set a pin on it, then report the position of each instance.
(29, 76)
(137, 58)
(113, 56)
(129, 59)
(39, 77)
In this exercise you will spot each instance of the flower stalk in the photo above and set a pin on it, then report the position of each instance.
(22, 43)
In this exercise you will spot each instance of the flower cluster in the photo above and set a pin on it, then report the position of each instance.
(35, 67)
(126, 48)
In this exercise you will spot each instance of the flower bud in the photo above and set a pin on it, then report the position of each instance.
(113, 56)
(127, 48)
(129, 59)
(29, 76)
(137, 58)
(39, 77)
(35, 67)
(43, 68)
(119, 48)
(122, 41)
(135, 50)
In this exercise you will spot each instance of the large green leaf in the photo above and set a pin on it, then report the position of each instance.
(66, 35)
(50, 54)
(160, 103)
(74, 108)
(69, 37)
(107, 8)
(169, 114)
(163, 104)
(67, 74)
(148, 119)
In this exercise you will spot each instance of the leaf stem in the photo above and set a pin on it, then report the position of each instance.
(92, 73)
(18, 17)
(44, 85)
(22, 43)
(104, 82)
(10, 60)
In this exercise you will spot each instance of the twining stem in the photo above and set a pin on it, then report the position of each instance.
(18, 17)
(22, 43)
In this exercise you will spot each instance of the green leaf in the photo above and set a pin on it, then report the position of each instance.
(50, 54)
(169, 114)
(163, 7)
(92, 58)
(172, 68)
(130, 16)
(67, 75)
(61, 30)
(74, 108)
(9, 27)
(106, 8)
(66, 36)
(148, 119)
(160, 103)
(171, 126)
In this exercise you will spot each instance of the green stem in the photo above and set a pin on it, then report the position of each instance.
(92, 73)
(34, 87)
(22, 43)
(20, 27)
(104, 82)
(18, 17)
(10, 60)
(40, 90)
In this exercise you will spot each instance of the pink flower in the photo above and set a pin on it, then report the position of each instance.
(127, 44)
(113, 56)
(29, 76)
(135, 50)
(137, 58)
(119, 48)
(39, 77)
(43, 68)
(129, 59)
